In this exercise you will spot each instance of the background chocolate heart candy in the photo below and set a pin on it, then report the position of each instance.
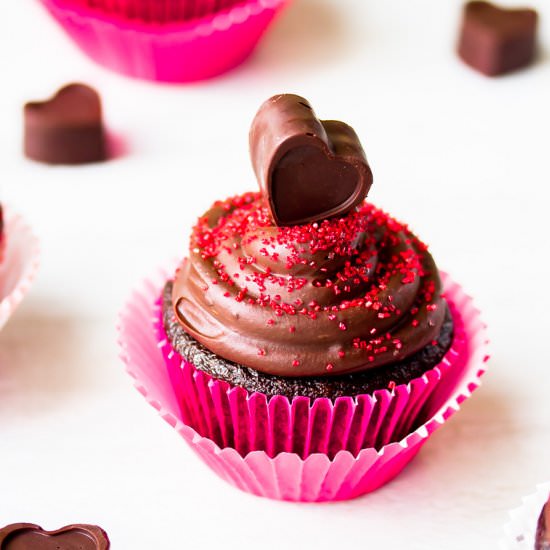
(495, 40)
(66, 129)
(308, 169)
(28, 536)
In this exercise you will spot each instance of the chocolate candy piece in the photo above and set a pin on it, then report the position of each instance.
(494, 40)
(307, 168)
(66, 129)
(542, 539)
(27, 536)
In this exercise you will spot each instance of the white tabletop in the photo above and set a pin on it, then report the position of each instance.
(463, 159)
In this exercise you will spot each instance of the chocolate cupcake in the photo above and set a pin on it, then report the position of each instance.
(19, 259)
(528, 527)
(542, 538)
(307, 347)
(166, 40)
(340, 307)
(306, 291)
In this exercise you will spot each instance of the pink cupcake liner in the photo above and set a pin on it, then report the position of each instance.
(231, 417)
(157, 11)
(181, 51)
(19, 263)
(310, 474)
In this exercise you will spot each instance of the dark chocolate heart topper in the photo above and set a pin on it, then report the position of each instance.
(308, 169)
(27, 536)
(66, 129)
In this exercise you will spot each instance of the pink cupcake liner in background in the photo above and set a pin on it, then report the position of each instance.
(520, 531)
(156, 11)
(19, 263)
(290, 475)
(176, 51)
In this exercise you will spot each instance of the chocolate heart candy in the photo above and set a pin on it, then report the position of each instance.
(308, 169)
(494, 40)
(27, 536)
(66, 129)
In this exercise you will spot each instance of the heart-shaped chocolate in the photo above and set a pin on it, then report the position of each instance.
(66, 129)
(308, 169)
(27, 536)
(495, 40)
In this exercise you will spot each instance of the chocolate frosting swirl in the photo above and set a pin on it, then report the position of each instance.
(339, 296)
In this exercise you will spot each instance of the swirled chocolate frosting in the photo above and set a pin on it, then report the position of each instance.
(337, 296)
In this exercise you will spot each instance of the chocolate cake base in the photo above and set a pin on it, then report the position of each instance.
(314, 387)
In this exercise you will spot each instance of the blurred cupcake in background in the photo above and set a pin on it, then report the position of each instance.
(166, 40)
(19, 260)
(529, 525)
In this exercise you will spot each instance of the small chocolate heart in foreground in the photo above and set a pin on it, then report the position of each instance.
(27, 536)
(66, 129)
(495, 40)
(308, 169)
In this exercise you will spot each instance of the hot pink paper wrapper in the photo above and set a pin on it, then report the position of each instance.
(18, 264)
(231, 417)
(180, 51)
(158, 11)
(311, 474)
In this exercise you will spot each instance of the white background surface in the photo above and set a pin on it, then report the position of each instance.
(462, 158)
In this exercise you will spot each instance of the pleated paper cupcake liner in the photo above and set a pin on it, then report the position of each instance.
(520, 531)
(155, 11)
(18, 265)
(163, 44)
(232, 417)
(310, 474)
